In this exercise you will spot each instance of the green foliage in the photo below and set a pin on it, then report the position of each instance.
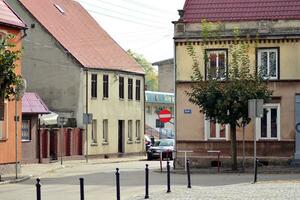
(9, 80)
(151, 75)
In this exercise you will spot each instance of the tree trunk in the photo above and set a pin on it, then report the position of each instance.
(233, 146)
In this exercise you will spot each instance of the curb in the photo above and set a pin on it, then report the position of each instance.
(25, 178)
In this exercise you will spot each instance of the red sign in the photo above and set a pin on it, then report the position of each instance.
(165, 116)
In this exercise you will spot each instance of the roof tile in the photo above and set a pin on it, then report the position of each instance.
(237, 10)
(33, 104)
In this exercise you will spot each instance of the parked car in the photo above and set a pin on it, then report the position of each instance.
(164, 147)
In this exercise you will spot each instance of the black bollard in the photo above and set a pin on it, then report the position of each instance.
(168, 177)
(81, 180)
(118, 183)
(38, 189)
(188, 173)
(255, 171)
(146, 182)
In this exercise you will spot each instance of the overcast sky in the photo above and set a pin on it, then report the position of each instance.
(141, 25)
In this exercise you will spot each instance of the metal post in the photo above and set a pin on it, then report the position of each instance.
(168, 177)
(86, 112)
(61, 141)
(185, 160)
(38, 189)
(160, 161)
(243, 147)
(16, 135)
(81, 180)
(188, 174)
(219, 162)
(146, 182)
(118, 183)
(254, 147)
(255, 171)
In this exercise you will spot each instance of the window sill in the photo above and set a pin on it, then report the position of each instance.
(121, 99)
(105, 143)
(138, 141)
(93, 98)
(104, 98)
(268, 139)
(129, 142)
(94, 144)
(216, 139)
(26, 141)
(3, 139)
(130, 99)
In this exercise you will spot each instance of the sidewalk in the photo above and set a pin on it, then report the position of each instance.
(36, 170)
(275, 190)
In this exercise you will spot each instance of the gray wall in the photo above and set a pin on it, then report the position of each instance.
(49, 69)
(166, 79)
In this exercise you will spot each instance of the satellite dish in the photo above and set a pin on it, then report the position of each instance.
(21, 88)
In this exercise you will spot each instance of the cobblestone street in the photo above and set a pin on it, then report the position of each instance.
(277, 190)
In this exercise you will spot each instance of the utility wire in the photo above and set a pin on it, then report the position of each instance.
(147, 6)
(126, 15)
(127, 20)
(123, 7)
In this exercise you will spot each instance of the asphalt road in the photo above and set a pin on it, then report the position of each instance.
(100, 181)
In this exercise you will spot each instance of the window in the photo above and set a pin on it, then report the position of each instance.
(138, 130)
(129, 130)
(267, 61)
(94, 131)
(121, 87)
(216, 64)
(269, 124)
(26, 133)
(105, 130)
(149, 109)
(130, 87)
(159, 124)
(215, 130)
(137, 90)
(3, 119)
(105, 86)
(94, 86)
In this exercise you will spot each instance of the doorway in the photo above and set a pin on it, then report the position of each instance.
(121, 136)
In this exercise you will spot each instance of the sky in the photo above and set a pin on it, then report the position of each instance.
(144, 26)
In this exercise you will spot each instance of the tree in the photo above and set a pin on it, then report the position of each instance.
(226, 101)
(9, 80)
(151, 74)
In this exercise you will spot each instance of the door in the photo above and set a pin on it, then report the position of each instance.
(121, 136)
(297, 126)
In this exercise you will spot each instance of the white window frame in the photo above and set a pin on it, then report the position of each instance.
(28, 121)
(218, 126)
(138, 130)
(268, 50)
(105, 131)
(217, 51)
(258, 123)
(130, 130)
(94, 131)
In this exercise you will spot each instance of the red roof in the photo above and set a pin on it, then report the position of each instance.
(8, 17)
(33, 104)
(238, 10)
(72, 26)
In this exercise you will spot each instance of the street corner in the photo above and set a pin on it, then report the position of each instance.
(12, 179)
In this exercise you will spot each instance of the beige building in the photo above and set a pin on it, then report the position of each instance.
(166, 75)
(276, 53)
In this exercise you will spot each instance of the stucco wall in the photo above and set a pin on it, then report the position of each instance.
(30, 148)
(115, 109)
(288, 56)
(166, 77)
(49, 69)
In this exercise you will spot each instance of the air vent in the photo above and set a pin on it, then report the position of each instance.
(59, 8)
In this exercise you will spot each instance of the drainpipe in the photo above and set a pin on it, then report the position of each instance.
(86, 112)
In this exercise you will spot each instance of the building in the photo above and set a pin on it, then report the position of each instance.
(166, 75)
(76, 68)
(155, 102)
(275, 51)
(10, 23)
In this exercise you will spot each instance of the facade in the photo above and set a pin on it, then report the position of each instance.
(76, 67)
(10, 24)
(275, 51)
(166, 75)
(156, 101)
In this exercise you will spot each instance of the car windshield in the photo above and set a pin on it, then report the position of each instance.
(156, 143)
(166, 143)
